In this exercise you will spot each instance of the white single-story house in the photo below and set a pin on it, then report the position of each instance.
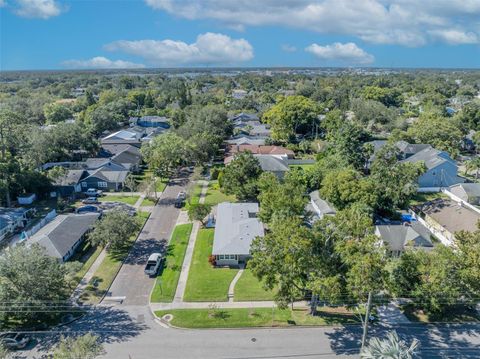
(236, 227)
(469, 192)
(320, 207)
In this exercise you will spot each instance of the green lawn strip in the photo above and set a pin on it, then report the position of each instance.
(131, 200)
(215, 195)
(87, 259)
(161, 184)
(147, 202)
(167, 280)
(458, 314)
(257, 317)
(421, 198)
(108, 269)
(206, 283)
(194, 196)
(249, 288)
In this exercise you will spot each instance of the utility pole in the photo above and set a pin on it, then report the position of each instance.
(367, 319)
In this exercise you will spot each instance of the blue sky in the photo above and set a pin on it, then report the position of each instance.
(57, 34)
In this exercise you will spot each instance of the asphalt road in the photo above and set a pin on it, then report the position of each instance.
(129, 332)
(131, 282)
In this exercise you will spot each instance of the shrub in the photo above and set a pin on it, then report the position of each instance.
(211, 259)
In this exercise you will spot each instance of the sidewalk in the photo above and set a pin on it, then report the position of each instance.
(391, 314)
(226, 305)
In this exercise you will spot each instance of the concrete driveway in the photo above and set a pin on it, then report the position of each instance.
(131, 282)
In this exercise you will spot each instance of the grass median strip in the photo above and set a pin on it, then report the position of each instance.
(257, 317)
(167, 280)
(108, 269)
(206, 283)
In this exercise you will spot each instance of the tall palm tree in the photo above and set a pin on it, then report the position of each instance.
(390, 348)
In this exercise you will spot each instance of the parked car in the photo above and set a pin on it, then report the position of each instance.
(153, 264)
(181, 197)
(87, 209)
(14, 341)
(92, 192)
(90, 200)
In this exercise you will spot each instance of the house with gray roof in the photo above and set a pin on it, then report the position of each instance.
(123, 137)
(272, 163)
(468, 192)
(441, 170)
(62, 236)
(236, 226)
(247, 140)
(12, 219)
(318, 207)
(398, 237)
(69, 184)
(104, 179)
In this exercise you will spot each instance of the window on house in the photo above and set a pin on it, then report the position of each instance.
(84, 184)
(102, 184)
(221, 256)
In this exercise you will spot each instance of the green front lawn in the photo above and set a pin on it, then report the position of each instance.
(249, 288)
(206, 283)
(148, 202)
(108, 269)
(167, 280)
(193, 195)
(421, 198)
(85, 255)
(257, 317)
(215, 195)
(131, 200)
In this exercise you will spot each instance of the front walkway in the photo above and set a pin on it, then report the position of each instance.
(231, 288)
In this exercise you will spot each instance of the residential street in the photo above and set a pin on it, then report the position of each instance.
(131, 282)
(129, 332)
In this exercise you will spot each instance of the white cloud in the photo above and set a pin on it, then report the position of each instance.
(456, 37)
(42, 9)
(101, 62)
(209, 48)
(348, 53)
(288, 48)
(404, 22)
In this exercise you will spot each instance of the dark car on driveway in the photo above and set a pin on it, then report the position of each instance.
(14, 341)
(180, 200)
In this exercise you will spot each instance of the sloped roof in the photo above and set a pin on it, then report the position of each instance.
(72, 177)
(123, 135)
(235, 228)
(244, 139)
(114, 149)
(320, 204)
(260, 149)
(97, 163)
(242, 116)
(58, 236)
(270, 163)
(411, 148)
(109, 176)
(397, 236)
(470, 189)
(431, 157)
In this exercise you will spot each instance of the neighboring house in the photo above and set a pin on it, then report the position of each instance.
(236, 227)
(441, 170)
(111, 150)
(123, 137)
(398, 237)
(104, 179)
(130, 158)
(239, 94)
(105, 163)
(243, 118)
(277, 151)
(270, 163)
(259, 130)
(64, 234)
(12, 219)
(247, 140)
(468, 144)
(319, 206)
(409, 149)
(469, 192)
(69, 184)
(447, 217)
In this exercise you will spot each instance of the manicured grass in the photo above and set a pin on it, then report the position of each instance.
(304, 167)
(131, 200)
(87, 259)
(459, 314)
(167, 280)
(161, 184)
(194, 195)
(215, 195)
(108, 269)
(249, 288)
(148, 202)
(257, 317)
(426, 197)
(206, 283)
